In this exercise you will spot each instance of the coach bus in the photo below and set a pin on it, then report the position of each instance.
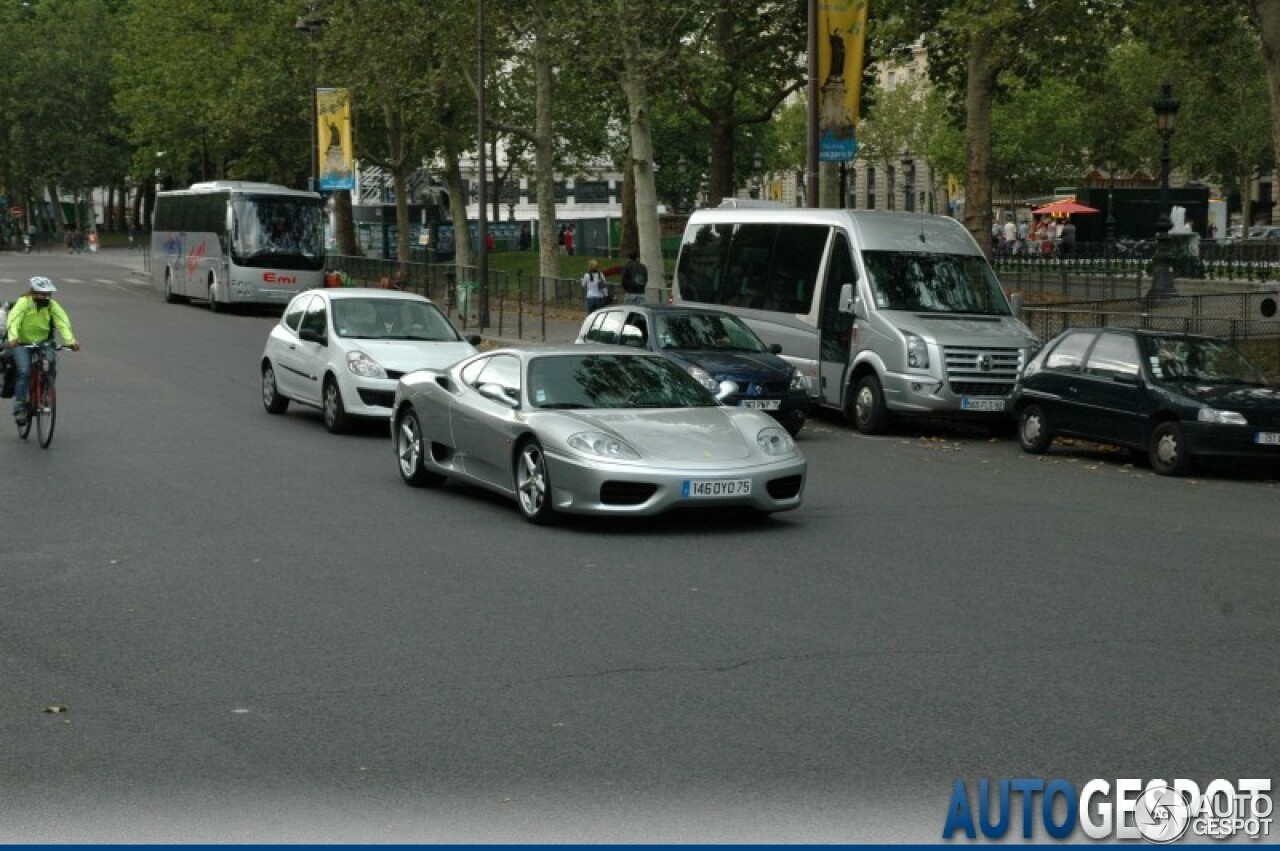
(231, 242)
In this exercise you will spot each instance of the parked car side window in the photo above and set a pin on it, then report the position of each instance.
(635, 332)
(293, 314)
(1070, 351)
(1114, 355)
(609, 328)
(317, 316)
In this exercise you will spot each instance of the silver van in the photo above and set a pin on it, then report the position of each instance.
(885, 313)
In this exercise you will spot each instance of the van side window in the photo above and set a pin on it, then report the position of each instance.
(796, 257)
(757, 266)
(702, 257)
(745, 276)
(837, 327)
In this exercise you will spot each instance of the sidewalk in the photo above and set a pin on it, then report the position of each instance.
(504, 329)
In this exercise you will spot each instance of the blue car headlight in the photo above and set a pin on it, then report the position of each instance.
(1212, 415)
(361, 364)
(775, 442)
(602, 446)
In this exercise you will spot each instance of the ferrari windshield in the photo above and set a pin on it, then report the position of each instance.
(934, 283)
(706, 331)
(1202, 359)
(613, 381)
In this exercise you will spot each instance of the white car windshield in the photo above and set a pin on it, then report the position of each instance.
(391, 319)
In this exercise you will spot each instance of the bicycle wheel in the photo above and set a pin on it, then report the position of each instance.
(48, 414)
(25, 428)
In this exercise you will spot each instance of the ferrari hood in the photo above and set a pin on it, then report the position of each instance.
(674, 434)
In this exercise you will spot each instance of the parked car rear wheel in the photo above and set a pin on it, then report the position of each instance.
(1033, 430)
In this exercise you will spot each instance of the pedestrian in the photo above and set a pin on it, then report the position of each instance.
(1010, 236)
(568, 240)
(1067, 238)
(635, 278)
(400, 280)
(560, 238)
(490, 242)
(526, 237)
(595, 287)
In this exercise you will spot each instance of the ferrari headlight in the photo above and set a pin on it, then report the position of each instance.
(917, 351)
(704, 378)
(363, 365)
(1212, 415)
(603, 446)
(798, 381)
(775, 441)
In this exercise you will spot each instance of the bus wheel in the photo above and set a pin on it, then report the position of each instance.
(866, 407)
(169, 297)
(215, 305)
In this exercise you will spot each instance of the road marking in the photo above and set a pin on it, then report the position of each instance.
(103, 281)
(73, 280)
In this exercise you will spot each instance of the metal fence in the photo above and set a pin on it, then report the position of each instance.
(520, 306)
(1249, 320)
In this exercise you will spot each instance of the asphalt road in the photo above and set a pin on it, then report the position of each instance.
(259, 633)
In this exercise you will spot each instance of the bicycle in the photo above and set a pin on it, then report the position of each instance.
(42, 398)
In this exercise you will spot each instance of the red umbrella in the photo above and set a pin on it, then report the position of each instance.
(1065, 207)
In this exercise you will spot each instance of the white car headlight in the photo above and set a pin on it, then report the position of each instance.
(775, 441)
(361, 364)
(603, 446)
(798, 381)
(704, 378)
(917, 351)
(1212, 415)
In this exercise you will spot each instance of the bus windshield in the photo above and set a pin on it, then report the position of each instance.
(277, 232)
(934, 283)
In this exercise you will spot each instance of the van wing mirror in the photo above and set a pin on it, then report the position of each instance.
(850, 302)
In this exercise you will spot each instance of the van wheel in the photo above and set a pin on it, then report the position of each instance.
(866, 407)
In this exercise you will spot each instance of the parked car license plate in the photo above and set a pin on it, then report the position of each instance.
(761, 404)
(712, 488)
(1267, 438)
(968, 403)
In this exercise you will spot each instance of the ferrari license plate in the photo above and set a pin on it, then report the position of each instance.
(1267, 438)
(968, 403)
(713, 488)
(761, 404)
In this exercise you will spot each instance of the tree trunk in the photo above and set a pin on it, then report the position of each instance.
(462, 257)
(344, 223)
(720, 180)
(628, 240)
(977, 191)
(639, 111)
(399, 185)
(544, 160)
(1268, 14)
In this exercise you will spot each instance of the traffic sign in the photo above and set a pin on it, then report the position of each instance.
(16, 212)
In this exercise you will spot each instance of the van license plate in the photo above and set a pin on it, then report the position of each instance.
(969, 404)
(761, 404)
(713, 488)
(1267, 438)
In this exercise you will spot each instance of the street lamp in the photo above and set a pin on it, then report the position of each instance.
(1166, 109)
(757, 164)
(311, 23)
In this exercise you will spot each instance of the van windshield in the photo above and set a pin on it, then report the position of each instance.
(934, 283)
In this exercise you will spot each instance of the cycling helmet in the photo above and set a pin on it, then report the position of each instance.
(40, 284)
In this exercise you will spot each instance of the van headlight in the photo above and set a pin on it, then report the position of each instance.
(361, 364)
(917, 351)
(775, 441)
(1213, 415)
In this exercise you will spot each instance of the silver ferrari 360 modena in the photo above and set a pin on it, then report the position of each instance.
(590, 430)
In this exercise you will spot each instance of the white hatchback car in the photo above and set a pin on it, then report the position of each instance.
(343, 350)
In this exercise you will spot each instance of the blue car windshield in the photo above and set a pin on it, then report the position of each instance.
(613, 381)
(707, 331)
(934, 283)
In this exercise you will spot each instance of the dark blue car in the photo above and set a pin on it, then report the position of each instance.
(716, 348)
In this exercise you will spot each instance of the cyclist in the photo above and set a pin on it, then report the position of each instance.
(33, 319)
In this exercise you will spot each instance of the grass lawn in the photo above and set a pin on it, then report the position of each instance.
(526, 263)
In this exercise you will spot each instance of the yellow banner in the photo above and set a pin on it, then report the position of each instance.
(842, 28)
(333, 113)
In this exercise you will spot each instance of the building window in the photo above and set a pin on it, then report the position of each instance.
(591, 192)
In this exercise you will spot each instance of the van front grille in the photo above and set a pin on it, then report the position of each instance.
(982, 370)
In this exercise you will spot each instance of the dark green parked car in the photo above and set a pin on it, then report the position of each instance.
(1167, 396)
